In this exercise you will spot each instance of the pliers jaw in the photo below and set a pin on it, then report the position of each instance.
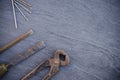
(62, 56)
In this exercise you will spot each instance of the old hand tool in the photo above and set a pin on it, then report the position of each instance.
(19, 38)
(60, 59)
(17, 59)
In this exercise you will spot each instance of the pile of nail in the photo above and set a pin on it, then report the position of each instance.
(18, 4)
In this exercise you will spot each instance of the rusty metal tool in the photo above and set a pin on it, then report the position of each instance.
(21, 57)
(16, 40)
(60, 59)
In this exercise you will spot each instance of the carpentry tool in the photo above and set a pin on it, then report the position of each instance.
(16, 40)
(60, 59)
(19, 58)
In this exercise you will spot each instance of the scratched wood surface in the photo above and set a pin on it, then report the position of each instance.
(88, 30)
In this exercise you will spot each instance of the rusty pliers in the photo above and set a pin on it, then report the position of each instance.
(60, 59)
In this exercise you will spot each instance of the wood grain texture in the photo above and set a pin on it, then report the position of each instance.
(87, 30)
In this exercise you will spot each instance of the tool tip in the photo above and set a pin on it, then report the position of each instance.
(15, 25)
(43, 43)
(31, 31)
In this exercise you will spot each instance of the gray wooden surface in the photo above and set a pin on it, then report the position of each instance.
(88, 30)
